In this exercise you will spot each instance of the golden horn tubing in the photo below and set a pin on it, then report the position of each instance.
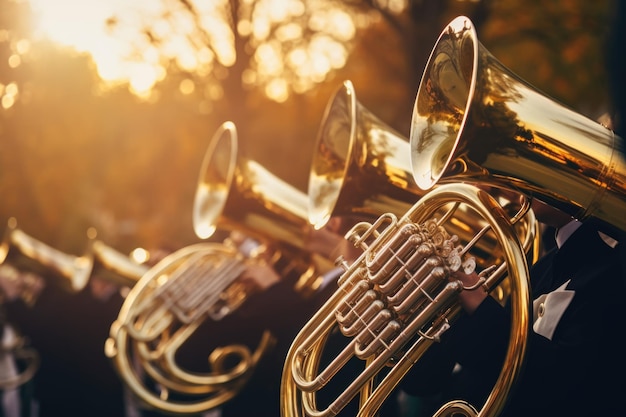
(475, 120)
(408, 328)
(164, 308)
(236, 194)
(26, 252)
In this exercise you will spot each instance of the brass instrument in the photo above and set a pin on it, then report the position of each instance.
(21, 255)
(27, 253)
(238, 194)
(356, 158)
(21, 252)
(476, 126)
(202, 281)
(397, 299)
(474, 120)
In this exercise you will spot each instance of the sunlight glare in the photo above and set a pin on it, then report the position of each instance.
(277, 90)
(269, 59)
(294, 44)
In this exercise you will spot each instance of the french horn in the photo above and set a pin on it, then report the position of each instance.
(202, 283)
(477, 128)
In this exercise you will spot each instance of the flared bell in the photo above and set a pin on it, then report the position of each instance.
(475, 120)
(237, 193)
(360, 165)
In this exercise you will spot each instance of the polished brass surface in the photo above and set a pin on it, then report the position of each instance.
(238, 194)
(360, 165)
(166, 306)
(475, 120)
(202, 282)
(399, 296)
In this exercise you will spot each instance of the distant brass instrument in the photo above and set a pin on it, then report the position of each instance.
(111, 265)
(27, 253)
(28, 260)
(202, 281)
(71, 272)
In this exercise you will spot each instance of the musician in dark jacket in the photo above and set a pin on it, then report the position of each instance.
(574, 364)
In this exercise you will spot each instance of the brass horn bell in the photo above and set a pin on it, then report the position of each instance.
(360, 165)
(475, 120)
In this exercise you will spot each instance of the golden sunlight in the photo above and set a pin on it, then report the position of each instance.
(134, 42)
(82, 26)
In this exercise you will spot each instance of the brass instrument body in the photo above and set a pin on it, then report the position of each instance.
(356, 158)
(166, 306)
(202, 284)
(475, 120)
(27, 253)
(236, 193)
(404, 308)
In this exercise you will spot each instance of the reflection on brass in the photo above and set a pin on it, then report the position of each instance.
(238, 194)
(360, 165)
(398, 297)
(474, 120)
(205, 282)
(166, 306)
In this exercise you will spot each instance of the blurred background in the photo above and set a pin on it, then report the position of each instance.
(107, 108)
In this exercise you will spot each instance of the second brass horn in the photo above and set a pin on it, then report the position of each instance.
(360, 165)
(475, 120)
(200, 285)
